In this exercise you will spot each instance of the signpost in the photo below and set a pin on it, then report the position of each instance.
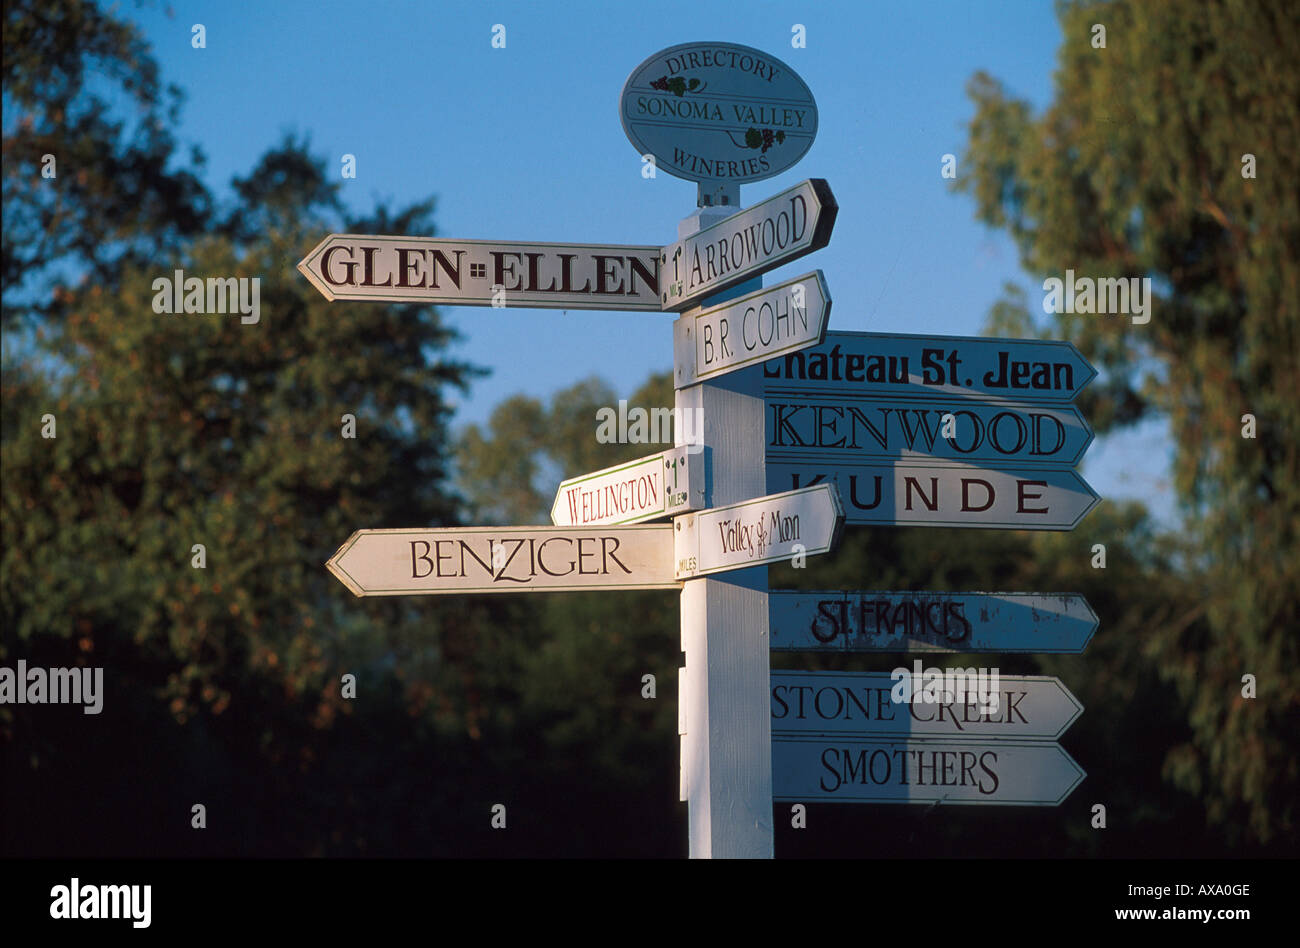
(884, 494)
(984, 772)
(903, 366)
(661, 485)
(718, 112)
(891, 421)
(782, 228)
(485, 272)
(861, 704)
(826, 429)
(784, 318)
(1042, 623)
(505, 560)
(756, 532)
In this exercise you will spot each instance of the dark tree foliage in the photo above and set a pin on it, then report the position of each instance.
(118, 193)
(1172, 152)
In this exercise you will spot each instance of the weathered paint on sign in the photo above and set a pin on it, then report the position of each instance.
(867, 621)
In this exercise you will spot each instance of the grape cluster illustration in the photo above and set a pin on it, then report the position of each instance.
(677, 85)
(755, 138)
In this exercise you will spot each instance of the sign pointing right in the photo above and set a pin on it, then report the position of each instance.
(867, 363)
(860, 704)
(759, 531)
(768, 322)
(919, 621)
(1019, 498)
(998, 773)
(746, 244)
(827, 429)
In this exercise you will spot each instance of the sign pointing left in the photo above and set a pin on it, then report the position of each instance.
(650, 488)
(505, 560)
(484, 272)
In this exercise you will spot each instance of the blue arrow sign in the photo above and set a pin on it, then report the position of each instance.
(828, 428)
(868, 621)
(993, 772)
(906, 366)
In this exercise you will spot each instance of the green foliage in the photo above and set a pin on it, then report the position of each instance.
(509, 473)
(118, 195)
(176, 430)
(1135, 170)
(182, 429)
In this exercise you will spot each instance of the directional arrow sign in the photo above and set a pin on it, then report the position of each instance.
(783, 318)
(763, 530)
(903, 366)
(505, 559)
(465, 272)
(661, 485)
(997, 773)
(826, 429)
(747, 244)
(929, 622)
(862, 704)
(1019, 498)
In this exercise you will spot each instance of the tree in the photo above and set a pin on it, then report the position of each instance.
(1171, 153)
(173, 482)
(509, 472)
(84, 189)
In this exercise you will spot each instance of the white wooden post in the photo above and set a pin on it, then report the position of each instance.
(724, 713)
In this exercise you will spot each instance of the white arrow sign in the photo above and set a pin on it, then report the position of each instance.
(769, 322)
(970, 703)
(998, 773)
(755, 532)
(485, 273)
(948, 496)
(505, 560)
(664, 484)
(747, 244)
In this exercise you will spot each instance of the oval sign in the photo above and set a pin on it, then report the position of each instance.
(718, 112)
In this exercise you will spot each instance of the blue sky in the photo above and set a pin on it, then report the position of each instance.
(525, 143)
